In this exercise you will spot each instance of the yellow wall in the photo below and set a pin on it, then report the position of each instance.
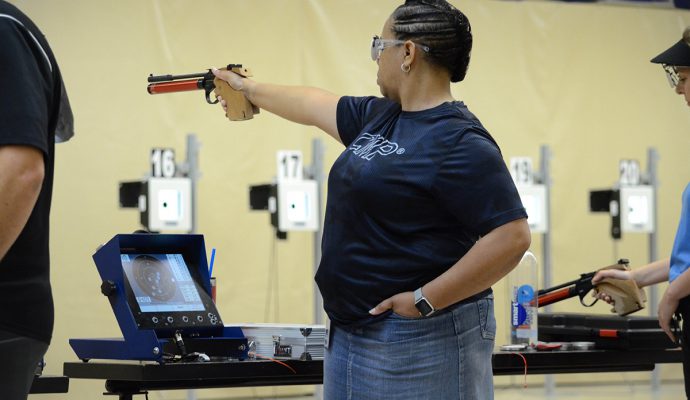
(573, 76)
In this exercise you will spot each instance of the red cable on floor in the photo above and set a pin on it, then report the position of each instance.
(524, 360)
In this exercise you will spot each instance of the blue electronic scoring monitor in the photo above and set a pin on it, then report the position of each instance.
(158, 286)
(161, 283)
(164, 293)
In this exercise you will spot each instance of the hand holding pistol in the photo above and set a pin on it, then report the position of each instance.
(239, 107)
(626, 297)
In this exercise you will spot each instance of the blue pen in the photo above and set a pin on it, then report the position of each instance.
(213, 258)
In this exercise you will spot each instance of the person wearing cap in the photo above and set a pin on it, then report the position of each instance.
(676, 299)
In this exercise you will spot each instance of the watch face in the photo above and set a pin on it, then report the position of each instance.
(424, 307)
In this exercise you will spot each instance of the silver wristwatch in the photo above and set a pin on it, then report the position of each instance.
(423, 305)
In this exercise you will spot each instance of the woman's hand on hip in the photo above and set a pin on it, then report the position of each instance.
(401, 304)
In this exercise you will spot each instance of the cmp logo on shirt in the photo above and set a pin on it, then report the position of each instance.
(368, 146)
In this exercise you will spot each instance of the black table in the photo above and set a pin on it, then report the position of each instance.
(129, 378)
(49, 384)
(560, 362)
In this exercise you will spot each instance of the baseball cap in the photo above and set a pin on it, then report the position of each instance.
(677, 55)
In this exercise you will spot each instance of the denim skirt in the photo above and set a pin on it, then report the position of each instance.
(444, 356)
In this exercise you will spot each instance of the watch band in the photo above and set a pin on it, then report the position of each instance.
(423, 305)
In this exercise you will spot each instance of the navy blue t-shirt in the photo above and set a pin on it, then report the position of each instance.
(410, 195)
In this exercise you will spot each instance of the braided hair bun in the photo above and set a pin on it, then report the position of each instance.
(441, 27)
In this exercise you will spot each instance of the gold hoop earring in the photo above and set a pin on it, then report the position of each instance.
(405, 67)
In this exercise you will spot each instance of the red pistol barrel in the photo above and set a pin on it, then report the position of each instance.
(556, 296)
(175, 86)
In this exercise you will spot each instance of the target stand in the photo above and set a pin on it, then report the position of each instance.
(159, 288)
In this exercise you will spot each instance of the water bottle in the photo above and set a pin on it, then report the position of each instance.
(522, 291)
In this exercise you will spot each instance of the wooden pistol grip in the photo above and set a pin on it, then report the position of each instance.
(239, 107)
(627, 297)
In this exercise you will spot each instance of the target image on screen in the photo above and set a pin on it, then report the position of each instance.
(161, 282)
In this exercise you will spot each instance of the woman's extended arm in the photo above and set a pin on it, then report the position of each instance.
(304, 105)
(645, 275)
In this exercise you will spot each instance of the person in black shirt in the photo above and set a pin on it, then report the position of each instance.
(422, 217)
(34, 111)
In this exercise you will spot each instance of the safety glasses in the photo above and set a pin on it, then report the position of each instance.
(672, 75)
(378, 44)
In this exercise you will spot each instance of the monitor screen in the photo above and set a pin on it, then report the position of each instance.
(161, 283)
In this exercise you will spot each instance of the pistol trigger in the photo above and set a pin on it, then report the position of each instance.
(208, 97)
(582, 301)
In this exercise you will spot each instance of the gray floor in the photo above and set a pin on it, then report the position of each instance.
(668, 391)
(625, 388)
(643, 391)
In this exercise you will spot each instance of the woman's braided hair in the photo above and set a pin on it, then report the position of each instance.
(441, 27)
